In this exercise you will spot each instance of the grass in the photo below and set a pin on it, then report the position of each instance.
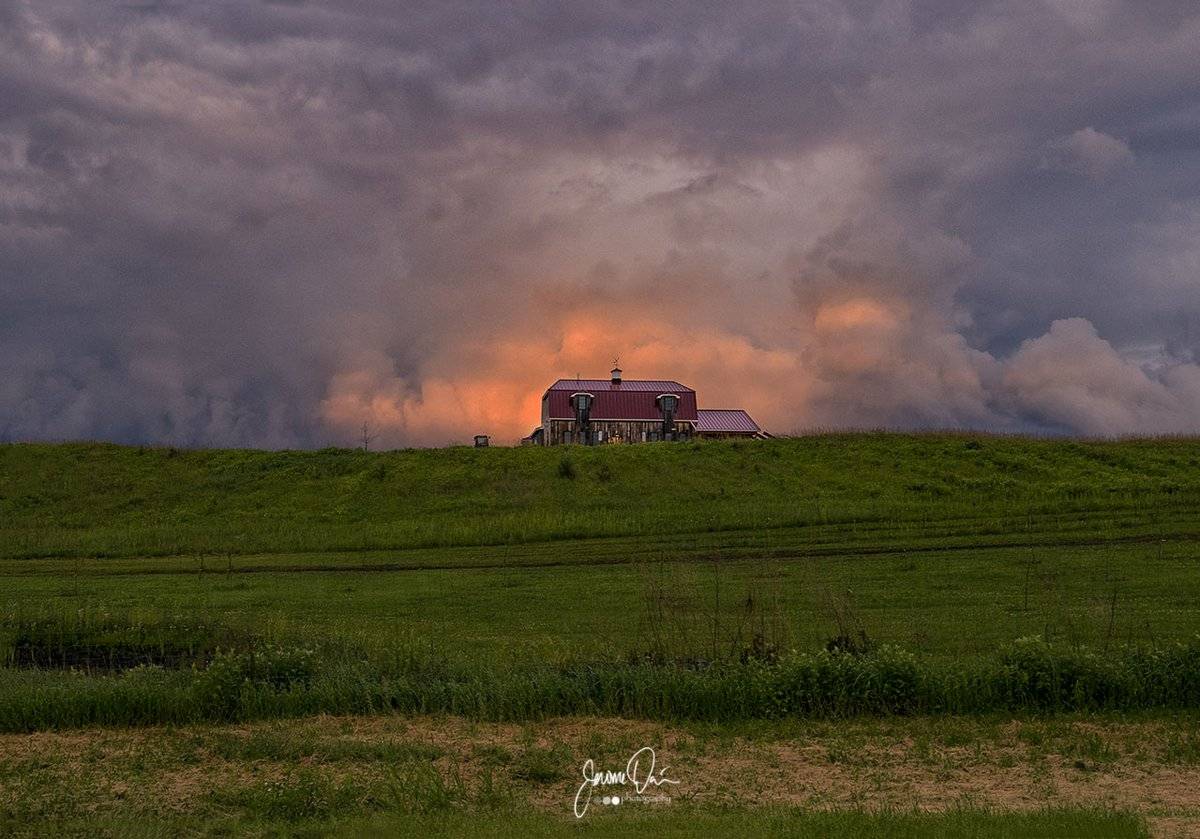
(961, 824)
(937, 603)
(109, 501)
(443, 776)
(695, 583)
(267, 678)
(948, 547)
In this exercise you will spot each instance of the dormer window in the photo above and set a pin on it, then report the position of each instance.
(582, 403)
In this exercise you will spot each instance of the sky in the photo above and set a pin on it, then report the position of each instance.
(268, 223)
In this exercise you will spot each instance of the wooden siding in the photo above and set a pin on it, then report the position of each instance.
(561, 432)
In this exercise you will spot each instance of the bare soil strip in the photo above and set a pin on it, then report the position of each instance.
(1150, 766)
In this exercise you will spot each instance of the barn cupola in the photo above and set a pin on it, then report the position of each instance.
(616, 375)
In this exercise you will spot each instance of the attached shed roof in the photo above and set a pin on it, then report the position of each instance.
(632, 399)
(726, 421)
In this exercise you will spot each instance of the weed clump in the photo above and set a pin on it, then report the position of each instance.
(566, 469)
(542, 765)
(301, 796)
(855, 642)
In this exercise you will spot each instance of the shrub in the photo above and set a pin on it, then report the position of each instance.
(223, 687)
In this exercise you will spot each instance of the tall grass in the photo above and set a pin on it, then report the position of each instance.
(269, 680)
(95, 641)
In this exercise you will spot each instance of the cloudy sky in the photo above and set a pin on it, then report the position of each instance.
(264, 223)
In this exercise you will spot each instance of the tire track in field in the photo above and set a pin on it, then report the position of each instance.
(698, 555)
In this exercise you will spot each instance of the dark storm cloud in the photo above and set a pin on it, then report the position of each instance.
(265, 223)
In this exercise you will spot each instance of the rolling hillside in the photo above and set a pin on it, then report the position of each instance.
(95, 500)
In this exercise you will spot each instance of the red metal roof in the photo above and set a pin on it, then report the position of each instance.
(593, 385)
(632, 399)
(726, 421)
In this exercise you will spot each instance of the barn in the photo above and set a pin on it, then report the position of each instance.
(619, 410)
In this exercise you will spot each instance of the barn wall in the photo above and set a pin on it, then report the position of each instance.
(560, 432)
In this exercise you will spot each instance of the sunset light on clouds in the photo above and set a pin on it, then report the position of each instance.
(265, 224)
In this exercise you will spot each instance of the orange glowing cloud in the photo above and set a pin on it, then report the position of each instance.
(858, 313)
(496, 388)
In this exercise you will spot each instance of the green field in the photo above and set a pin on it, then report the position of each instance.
(948, 545)
(872, 491)
(825, 577)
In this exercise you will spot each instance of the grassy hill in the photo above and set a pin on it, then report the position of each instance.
(715, 598)
(947, 544)
(110, 501)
